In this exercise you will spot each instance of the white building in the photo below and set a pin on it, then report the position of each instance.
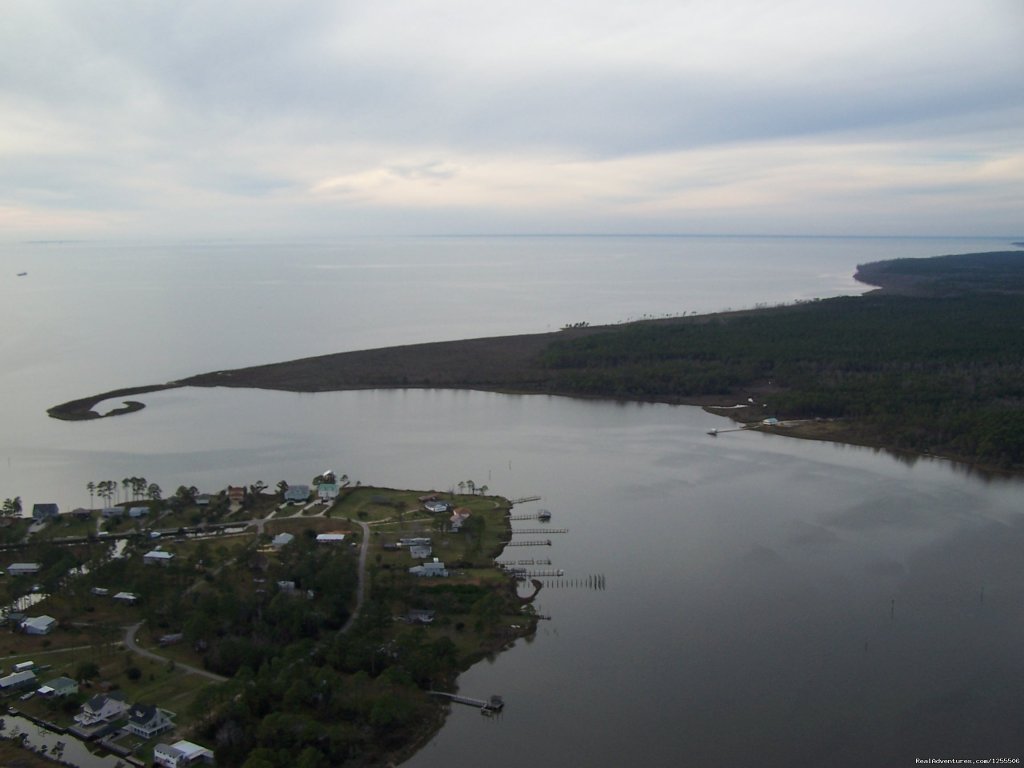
(157, 557)
(181, 754)
(23, 569)
(39, 625)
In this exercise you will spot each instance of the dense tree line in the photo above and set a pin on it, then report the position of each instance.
(929, 374)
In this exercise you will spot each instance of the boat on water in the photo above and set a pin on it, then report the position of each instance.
(713, 432)
(22, 274)
(543, 514)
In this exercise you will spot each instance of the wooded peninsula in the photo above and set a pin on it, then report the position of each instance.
(930, 363)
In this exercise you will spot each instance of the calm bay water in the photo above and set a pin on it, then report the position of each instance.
(767, 601)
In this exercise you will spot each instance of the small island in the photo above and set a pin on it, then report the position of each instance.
(315, 624)
(930, 364)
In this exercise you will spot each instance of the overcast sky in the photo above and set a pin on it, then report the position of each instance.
(285, 119)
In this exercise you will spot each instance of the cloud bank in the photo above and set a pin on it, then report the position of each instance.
(265, 118)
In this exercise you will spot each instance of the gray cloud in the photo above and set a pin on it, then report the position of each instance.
(137, 104)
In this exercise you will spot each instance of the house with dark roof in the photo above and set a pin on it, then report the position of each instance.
(148, 720)
(43, 512)
(297, 494)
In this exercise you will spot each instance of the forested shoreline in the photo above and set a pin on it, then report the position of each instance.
(931, 363)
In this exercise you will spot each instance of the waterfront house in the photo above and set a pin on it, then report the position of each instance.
(100, 591)
(58, 687)
(148, 720)
(297, 494)
(203, 500)
(81, 513)
(236, 494)
(181, 754)
(102, 708)
(437, 507)
(127, 598)
(137, 512)
(38, 625)
(43, 512)
(23, 569)
(17, 680)
(433, 569)
(109, 512)
(157, 557)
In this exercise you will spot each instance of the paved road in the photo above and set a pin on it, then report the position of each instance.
(131, 645)
(361, 583)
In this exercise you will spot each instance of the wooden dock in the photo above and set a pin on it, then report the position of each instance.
(524, 499)
(539, 530)
(493, 704)
(542, 543)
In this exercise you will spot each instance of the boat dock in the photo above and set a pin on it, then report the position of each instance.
(539, 530)
(524, 499)
(542, 543)
(526, 573)
(493, 704)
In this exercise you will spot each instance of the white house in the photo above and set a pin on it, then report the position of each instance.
(429, 570)
(39, 625)
(157, 557)
(127, 598)
(181, 754)
(147, 721)
(102, 708)
(138, 512)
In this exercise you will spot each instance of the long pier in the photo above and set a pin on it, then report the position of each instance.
(524, 499)
(526, 573)
(543, 543)
(539, 530)
(531, 561)
(493, 704)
